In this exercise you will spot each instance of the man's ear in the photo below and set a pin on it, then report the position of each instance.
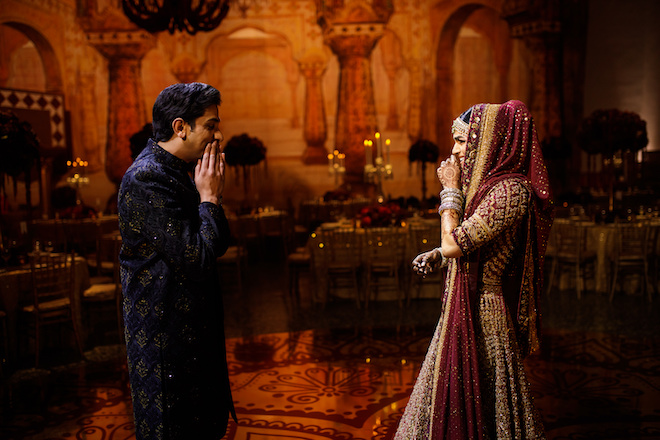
(179, 127)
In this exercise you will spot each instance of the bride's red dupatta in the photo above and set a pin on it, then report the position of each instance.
(502, 143)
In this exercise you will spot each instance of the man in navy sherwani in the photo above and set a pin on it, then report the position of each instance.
(173, 229)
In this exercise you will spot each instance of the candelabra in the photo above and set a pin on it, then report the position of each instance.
(336, 165)
(79, 177)
(379, 168)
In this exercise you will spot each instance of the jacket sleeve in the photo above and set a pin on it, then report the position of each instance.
(167, 222)
(504, 205)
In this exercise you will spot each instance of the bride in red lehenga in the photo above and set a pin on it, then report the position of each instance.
(496, 214)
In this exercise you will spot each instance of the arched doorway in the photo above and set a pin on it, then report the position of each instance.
(31, 89)
(27, 60)
(476, 61)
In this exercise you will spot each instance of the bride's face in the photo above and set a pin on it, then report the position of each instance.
(460, 142)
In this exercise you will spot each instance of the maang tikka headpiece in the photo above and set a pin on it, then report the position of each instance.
(461, 124)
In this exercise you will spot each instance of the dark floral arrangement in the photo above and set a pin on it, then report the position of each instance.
(381, 215)
(609, 131)
(244, 150)
(423, 151)
(19, 149)
(64, 200)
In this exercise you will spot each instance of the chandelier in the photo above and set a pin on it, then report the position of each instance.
(176, 15)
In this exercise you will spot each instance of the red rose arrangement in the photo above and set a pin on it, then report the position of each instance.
(381, 215)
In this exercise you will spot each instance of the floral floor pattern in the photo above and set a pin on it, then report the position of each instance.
(348, 385)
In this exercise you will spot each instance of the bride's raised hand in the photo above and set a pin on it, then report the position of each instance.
(449, 172)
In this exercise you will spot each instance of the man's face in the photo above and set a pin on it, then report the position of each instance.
(207, 130)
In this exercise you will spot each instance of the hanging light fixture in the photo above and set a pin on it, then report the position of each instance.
(176, 15)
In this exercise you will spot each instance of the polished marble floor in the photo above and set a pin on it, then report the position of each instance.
(311, 373)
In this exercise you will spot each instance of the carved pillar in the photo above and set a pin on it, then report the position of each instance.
(315, 129)
(352, 29)
(538, 25)
(546, 84)
(124, 46)
(88, 115)
(126, 109)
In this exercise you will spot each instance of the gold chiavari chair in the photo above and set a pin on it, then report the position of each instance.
(52, 277)
(572, 252)
(276, 228)
(337, 261)
(105, 297)
(384, 252)
(423, 238)
(632, 253)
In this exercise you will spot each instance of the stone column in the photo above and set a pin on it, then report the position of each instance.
(546, 76)
(315, 129)
(124, 45)
(126, 108)
(351, 30)
(538, 24)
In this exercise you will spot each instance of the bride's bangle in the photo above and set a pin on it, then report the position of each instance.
(444, 261)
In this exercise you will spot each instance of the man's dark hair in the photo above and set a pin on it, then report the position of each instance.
(187, 101)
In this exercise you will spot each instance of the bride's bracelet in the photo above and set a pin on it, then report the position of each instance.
(444, 261)
(451, 198)
(454, 199)
(451, 205)
(452, 191)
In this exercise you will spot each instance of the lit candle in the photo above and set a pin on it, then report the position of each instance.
(330, 160)
(367, 151)
(387, 144)
(379, 148)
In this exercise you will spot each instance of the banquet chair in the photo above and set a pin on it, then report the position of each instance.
(52, 277)
(337, 262)
(245, 228)
(384, 251)
(571, 252)
(276, 227)
(94, 245)
(233, 264)
(101, 298)
(299, 262)
(423, 237)
(632, 253)
(234, 260)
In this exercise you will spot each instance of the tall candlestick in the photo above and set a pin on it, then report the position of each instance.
(336, 165)
(367, 151)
